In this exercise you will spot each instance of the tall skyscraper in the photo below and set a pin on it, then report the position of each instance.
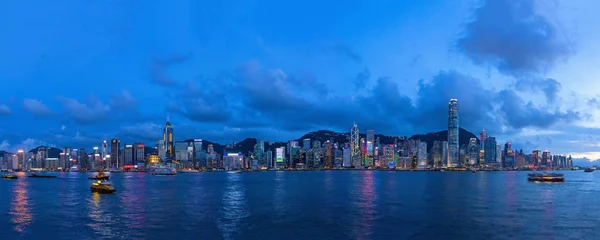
(139, 153)
(115, 147)
(422, 156)
(490, 150)
(259, 152)
(168, 140)
(482, 137)
(453, 148)
(370, 147)
(355, 146)
(473, 152)
(306, 144)
(128, 155)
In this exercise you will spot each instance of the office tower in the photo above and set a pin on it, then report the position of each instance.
(294, 152)
(370, 148)
(422, 156)
(546, 158)
(306, 144)
(473, 152)
(168, 140)
(316, 153)
(104, 149)
(269, 158)
(346, 157)
(490, 150)
(355, 146)
(198, 155)
(115, 147)
(280, 156)
(536, 157)
(210, 149)
(453, 154)
(139, 153)
(82, 160)
(259, 151)
(482, 137)
(389, 157)
(328, 158)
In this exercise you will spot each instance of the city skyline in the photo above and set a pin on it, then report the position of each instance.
(123, 77)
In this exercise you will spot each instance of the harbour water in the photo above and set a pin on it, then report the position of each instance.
(303, 205)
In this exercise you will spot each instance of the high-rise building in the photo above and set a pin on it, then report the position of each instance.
(536, 157)
(104, 149)
(370, 148)
(115, 147)
(482, 137)
(422, 156)
(316, 153)
(259, 151)
(473, 152)
(306, 144)
(546, 158)
(346, 157)
(328, 158)
(453, 154)
(355, 146)
(499, 155)
(389, 156)
(128, 156)
(168, 140)
(139, 153)
(198, 157)
(490, 150)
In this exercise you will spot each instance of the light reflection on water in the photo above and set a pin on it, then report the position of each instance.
(234, 208)
(20, 211)
(364, 200)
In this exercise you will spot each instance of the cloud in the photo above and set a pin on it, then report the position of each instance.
(158, 69)
(144, 131)
(123, 101)
(362, 78)
(346, 51)
(5, 145)
(36, 107)
(550, 87)
(92, 112)
(4, 110)
(519, 114)
(514, 37)
(31, 143)
(63, 127)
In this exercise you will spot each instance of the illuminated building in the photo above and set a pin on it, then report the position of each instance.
(536, 157)
(259, 151)
(482, 137)
(233, 161)
(139, 153)
(210, 149)
(20, 159)
(498, 155)
(355, 146)
(389, 156)
(128, 156)
(83, 160)
(316, 150)
(279, 156)
(453, 154)
(198, 156)
(546, 158)
(104, 152)
(153, 160)
(294, 149)
(269, 158)
(473, 152)
(370, 148)
(422, 156)
(490, 151)
(168, 140)
(115, 147)
(328, 159)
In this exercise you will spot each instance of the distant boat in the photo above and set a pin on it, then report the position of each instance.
(545, 177)
(189, 171)
(588, 170)
(162, 172)
(9, 176)
(40, 175)
(100, 176)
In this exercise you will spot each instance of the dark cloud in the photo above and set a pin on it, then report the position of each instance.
(346, 51)
(519, 114)
(123, 101)
(36, 107)
(513, 37)
(149, 132)
(204, 101)
(594, 102)
(158, 69)
(4, 110)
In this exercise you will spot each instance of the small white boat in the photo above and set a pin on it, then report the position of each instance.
(189, 171)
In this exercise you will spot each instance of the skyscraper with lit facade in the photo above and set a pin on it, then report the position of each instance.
(370, 148)
(168, 140)
(115, 145)
(355, 146)
(453, 148)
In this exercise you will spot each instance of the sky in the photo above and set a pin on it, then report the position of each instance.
(74, 73)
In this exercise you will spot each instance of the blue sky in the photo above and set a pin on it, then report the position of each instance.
(77, 72)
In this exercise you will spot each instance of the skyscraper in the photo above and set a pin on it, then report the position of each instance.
(139, 153)
(259, 151)
(453, 153)
(168, 140)
(482, 137)
(370, 147)
(355, 146)
(115, 145)
(473, 152)
(490, 150)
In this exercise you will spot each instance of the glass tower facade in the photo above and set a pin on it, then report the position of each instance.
(453, 154)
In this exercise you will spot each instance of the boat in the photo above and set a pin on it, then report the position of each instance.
(100, 176)
(238, 171)
(9, 176)
(162, 172)
(473, 171)
(38, 175)
(189, 171)
(588, 170)
(102, 187)
(545, 177)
